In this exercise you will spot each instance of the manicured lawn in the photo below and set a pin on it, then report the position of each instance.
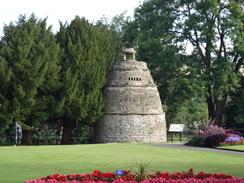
(236, 147)
(32, 162)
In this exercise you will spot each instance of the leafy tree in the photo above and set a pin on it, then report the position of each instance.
(235, 108)
(158, 47)
(215, 31)
(87, 55)
(115, 29)
(31, 53)
(192, 110)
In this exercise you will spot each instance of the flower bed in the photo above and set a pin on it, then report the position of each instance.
(232, 139)
(158, 177)
(216, 136)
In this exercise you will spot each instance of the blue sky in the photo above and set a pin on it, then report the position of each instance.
(64, 10)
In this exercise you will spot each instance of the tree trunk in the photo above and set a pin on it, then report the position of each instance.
(211, 106)
(27, 133)
(67, 126)
(220, 106)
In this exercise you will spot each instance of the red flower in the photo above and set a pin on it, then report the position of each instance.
(96, 171)
(100, 177)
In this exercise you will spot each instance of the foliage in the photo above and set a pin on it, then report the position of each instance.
(42, 135)
(5, 80)
(162, 34)
(81, 135)
(7, 136)
(215, 136)
(186, 112)
(98, 176)
(233, 138)
(87, 55)
(213, 130)
(115, 29)
(232, 143)
(167, 66)
(215, 140)
(234, 109)
(196, 141)
(43, 85)
(201, 126)
(30, 59)
(141, 171)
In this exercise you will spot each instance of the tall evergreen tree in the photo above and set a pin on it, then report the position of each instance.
(5, 112)
(31, 52)
(215, 31)
(86, 58)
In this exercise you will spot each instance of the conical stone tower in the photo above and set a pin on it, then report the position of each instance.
(133, 106)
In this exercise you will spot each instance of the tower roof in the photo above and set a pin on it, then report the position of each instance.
(129, 51)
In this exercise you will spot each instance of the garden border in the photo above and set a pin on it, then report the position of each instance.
(183, 146)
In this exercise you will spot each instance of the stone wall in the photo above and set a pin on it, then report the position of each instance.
(130, 73)
(131, 128)
(132, 100)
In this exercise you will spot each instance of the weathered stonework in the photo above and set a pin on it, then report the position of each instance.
(133, 106)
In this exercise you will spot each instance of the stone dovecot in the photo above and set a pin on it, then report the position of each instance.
(133, 109)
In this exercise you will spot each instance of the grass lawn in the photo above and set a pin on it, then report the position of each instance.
(236, 147)
(21, 163)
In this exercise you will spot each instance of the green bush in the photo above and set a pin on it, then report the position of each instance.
(196, 141)
(214, 140)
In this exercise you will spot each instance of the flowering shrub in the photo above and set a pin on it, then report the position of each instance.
(216, 136)
(215, 140)
(201, 126)
(209, 138)
(99, 177)
(213, 130)
(233, 138)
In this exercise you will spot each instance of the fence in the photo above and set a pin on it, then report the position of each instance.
(47, 140)
(178, 137)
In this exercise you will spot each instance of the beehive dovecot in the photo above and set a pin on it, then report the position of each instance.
(133, 109)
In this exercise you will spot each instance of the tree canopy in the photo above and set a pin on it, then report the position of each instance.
(87, 55)
(194, 49)
(53, 80)
(30, 67)
(165, 32)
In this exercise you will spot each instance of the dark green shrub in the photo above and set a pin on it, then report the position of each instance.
(196, 141)
(214, 140)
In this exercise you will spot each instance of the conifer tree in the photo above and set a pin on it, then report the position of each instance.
(86, 58)
(5, 113)
(31, 52)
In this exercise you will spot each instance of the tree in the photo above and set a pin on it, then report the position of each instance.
(157, 46)
(115, 29)
(235, 108)
(5, 112)
(213, 28)
(31, 53)
(87, 55)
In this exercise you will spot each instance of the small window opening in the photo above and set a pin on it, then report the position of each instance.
(134, 79)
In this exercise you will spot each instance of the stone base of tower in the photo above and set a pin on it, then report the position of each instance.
(116, 128)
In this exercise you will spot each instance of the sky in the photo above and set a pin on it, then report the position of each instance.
(64, 10)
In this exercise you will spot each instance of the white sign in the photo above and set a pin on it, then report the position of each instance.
(176, 128)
